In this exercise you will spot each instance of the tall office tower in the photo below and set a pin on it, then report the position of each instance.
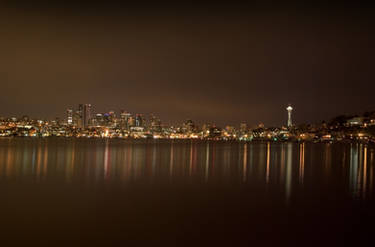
(69, 116)
(243, 128)
(112, 118)
(124, 119)
(80, 110)
(112, 115)
(131, 122)
(99, 119)
(79, 116)
(128, 116)
(139, 120)
(86, 115)
(289, 109)
(77, 120)
(206, 127)
(155, 124)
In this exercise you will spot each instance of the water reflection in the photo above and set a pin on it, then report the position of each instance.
(170, 161)
(353, 168)
(268, 163)
(207, 167)
(301, 162)
(361, 171)
(288, 183)
(285, 166)
(282, 163)
(244, 165)
(364, 171)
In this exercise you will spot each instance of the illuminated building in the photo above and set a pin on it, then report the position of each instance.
(289, 109)
(188, 126)
(214, 133)
(107, 120)
(356, 121)
(131, 122)
(124, 119)
(243, 129)
(79, 116)
(230, 130)
(139, 120)
(206, 127)
(155, 124)
(80, 110)
(69, 116)
(99, 120)
(86, 115)
(77, 119)
(112, 116)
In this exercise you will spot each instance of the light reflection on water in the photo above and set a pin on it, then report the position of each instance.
(290, 166)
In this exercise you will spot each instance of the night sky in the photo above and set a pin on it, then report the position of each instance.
(214, 62)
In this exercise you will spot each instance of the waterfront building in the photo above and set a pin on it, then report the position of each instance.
(124, 120)
(139, 120)
(86, 115)
(188, 126)
(69, 116)
(155, 124)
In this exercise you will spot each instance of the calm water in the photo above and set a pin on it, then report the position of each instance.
(96, 192)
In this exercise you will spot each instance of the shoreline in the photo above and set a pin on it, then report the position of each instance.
(345, 141)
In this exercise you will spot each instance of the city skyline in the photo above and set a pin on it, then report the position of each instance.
(88, 111)
(83, 122)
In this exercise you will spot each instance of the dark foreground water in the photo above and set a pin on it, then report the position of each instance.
(95, 192)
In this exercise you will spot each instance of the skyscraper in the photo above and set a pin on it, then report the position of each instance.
(112, 119)
(243, 127)
(289, 109)
(131, 122)
(139, 120)
(69, 116)
(78, 116)
(154, 124)
(124, 119)
(80, 109)
(86, 115)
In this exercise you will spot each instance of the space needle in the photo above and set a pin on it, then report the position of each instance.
(289, 109)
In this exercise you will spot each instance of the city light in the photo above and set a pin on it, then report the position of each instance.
(83, 123)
